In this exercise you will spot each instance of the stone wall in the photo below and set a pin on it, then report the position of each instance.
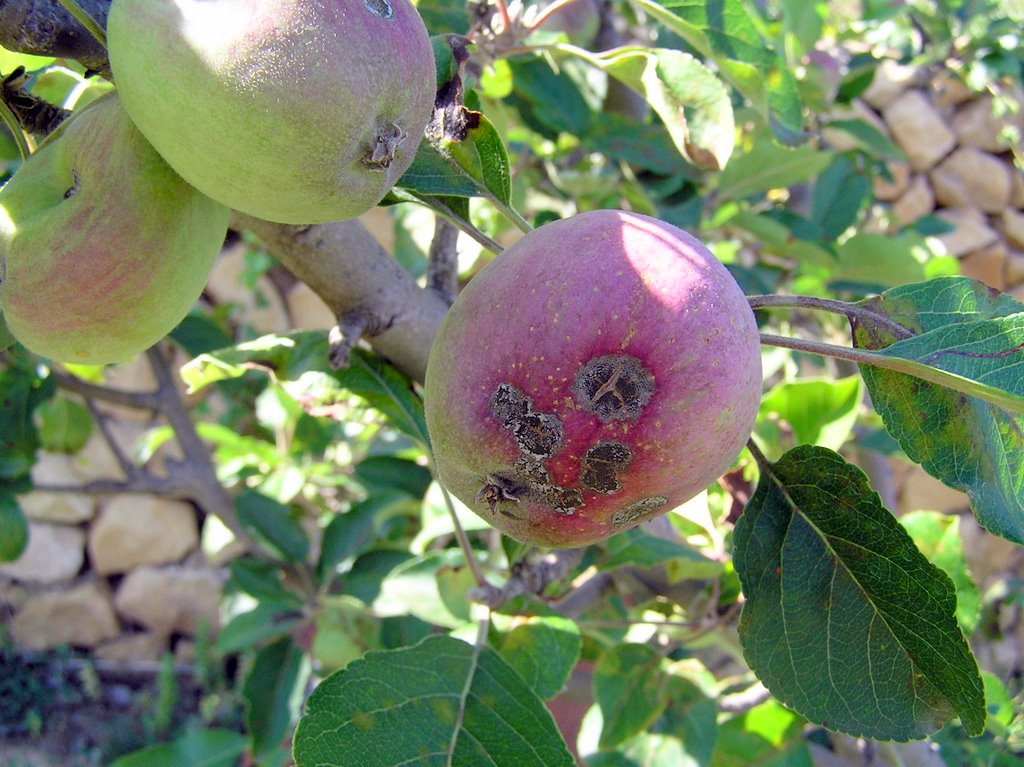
(959, 165)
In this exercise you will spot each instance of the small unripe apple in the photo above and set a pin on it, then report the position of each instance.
(294, 111)
(103, 248)
(601, 371)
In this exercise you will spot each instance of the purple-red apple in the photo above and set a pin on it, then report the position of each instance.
(601, 371)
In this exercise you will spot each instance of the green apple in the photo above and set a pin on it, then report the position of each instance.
(294, 111)
(103, 247)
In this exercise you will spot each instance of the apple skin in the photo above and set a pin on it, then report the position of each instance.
(103, 248)
(601, 371)
(293, 111)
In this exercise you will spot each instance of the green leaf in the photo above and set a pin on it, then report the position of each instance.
(287, 357)
(273, 693)
(424, 587)
(299, 361)
(639, 549)
(839, 194)
(767, 734)
(683, 736)
(351, 532)
(272, 524)
(481, 154)
(549, 101)
(845, 621)
(630, 688)
(246, 630)
(196, 748)
(768, 166)
(441, 702)
(977, 334)
(13, 528)
(345, 631)
(64, 425)
(882, 260)
(688, 97)
(722, 30)
(431, 174)
(544, 650)
(816, 412)
(262, 580)
(938, 537)
(389, 473)
(867, 138)
(20, 393)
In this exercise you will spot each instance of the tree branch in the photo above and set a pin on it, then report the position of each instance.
(351, 272)
(46, 28)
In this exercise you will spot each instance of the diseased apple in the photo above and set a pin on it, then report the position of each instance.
(601, 371)
(103, 248)
(294, 111)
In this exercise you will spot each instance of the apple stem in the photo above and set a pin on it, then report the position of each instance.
(489, 591)
(851, 311)
(506, 19)
(994, 396)
(547, 13)
(87, 21)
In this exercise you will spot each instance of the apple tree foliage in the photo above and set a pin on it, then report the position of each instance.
(380, 624)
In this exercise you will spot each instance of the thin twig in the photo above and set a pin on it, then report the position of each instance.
(103, 422)
(443, 261)
(140, 400)
(850, 311)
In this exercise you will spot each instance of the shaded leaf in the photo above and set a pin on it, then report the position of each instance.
(20, 393)
(640, 549)
(273, 525)
(544, 650)
(352, 532)
(816, 412)
(938, 537)
(881, 260)
(688, 97)
(867, 138)
(977, 334)
(767, 734)
(723, 31)
(273, 692)
(839, 194)
(631, 689)
(248, 629)
(13, 528)
(441, 702)
(431, 174)
(767, 166)
(196, 748)
(299, 361)
(845, 621)
(262, 580)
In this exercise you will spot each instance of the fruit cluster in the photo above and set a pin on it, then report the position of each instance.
(295, 111)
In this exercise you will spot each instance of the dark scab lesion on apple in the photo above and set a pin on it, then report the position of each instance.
(638, 510)
(537, 435)
(384, 147)
(76, 183)
(601, 465)
(614, 387)
(380, 8)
